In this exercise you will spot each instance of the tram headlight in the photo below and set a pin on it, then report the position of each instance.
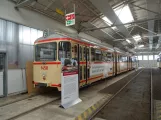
(44, 77)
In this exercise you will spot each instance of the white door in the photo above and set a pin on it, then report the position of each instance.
(2, 74)
(1, 83)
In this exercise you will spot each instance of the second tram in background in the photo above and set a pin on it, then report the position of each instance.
(159, 61)
(95, 62)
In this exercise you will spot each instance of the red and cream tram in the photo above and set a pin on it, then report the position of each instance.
(95, 62)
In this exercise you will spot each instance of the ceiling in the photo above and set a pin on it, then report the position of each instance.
(89, 13)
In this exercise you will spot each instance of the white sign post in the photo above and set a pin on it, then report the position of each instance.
(70, 19)
(69, 83)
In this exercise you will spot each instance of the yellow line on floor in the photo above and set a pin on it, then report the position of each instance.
(88, 112)
(157, 110)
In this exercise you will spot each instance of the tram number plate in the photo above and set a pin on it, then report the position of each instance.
(44, 67)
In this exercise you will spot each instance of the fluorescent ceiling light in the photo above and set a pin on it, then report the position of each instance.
(141, 46)
(128, 41)
(107, 20)
(124, 14)
(137, 38)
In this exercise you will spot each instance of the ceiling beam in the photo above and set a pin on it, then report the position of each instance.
(23, 3)
(108, 11)
(48, 6)
(152, 5)
(146, 9)
(133, 23)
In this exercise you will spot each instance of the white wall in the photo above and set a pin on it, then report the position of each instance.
(148, 63)
(35, 20)
(16, 81)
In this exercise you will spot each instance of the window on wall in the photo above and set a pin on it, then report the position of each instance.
(18, 40)
(9, 41)
(140, 57)
(150, 57)
(136, 57)
(145, 57)
(28, 35)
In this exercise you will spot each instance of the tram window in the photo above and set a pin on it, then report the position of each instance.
(64, 50)
(84, 72)
(88, 73)
(124, 59)
(84, 54)
(46, 52)
(92, 54)
(98, 55)
(80, 51)
(104, 56)
(133, 59)
(75, 52)
(113, 58)
(87, 54)
(109, 57)
(120, 58)
(80, 73)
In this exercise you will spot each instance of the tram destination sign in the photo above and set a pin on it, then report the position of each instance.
(70, 19)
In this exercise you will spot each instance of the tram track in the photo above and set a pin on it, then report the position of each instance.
(28, 105)
(18, 100)
(32, 110)
(151, 97)
(119, 91)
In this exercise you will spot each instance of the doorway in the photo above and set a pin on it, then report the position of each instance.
(3, 75)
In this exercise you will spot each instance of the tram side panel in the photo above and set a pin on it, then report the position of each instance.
(101, 65)
(122, 63)
(159, 63)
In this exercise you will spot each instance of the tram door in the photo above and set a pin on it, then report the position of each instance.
(116, 65)
(86, 65)
(2, 67)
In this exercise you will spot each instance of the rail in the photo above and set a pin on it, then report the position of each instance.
(151, 100)
(95, 113)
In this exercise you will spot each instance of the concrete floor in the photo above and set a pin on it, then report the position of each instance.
(52, 111)
(133, 102)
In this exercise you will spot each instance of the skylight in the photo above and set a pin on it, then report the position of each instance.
(137, 38)
(109, 23)
(140, 46)
(128, 41)
(124, 14)
(107, 20)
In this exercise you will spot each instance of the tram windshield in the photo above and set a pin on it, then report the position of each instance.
(46, 52)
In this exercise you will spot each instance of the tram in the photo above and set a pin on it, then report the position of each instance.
(159, 61)
(94, 61)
